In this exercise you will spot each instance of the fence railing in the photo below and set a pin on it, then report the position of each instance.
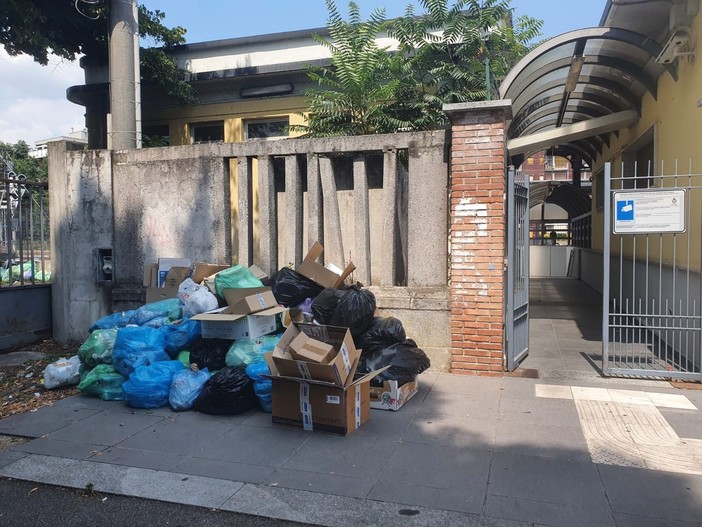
(25, 257)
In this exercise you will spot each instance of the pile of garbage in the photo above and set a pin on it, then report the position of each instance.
(156, 355)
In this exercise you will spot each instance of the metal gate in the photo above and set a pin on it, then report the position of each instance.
(517, 293)
(651, 298)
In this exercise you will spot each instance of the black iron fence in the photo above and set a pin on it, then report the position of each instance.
(25, 256)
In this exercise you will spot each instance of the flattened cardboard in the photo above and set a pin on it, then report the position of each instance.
(165, 264)
(320, 274)
(390, 396)
(340, 369)
(156, 294)
(175, 276)
(151, 275)
(203, 270)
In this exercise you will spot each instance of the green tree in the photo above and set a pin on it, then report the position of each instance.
(443, 56)
(69, 28)
(17, 155)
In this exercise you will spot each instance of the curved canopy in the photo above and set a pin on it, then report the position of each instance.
(573, 200)
(572, 91)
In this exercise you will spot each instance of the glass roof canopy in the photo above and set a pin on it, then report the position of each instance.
(577, 77)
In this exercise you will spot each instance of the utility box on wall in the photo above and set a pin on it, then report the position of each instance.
(104, 270)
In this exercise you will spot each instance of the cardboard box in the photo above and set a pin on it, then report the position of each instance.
(338, 371)
(308, 349)
(390, 396)
(318, 405)
(329, 276)
(250, 313)
(165, 264)
(203, 270)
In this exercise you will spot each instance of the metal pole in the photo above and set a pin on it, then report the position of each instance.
(605, 275)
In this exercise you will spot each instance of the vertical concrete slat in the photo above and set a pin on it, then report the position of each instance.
(478, 236)
(362, 221)
(315, 209)
(390, 233)
(428, 209)
(245, 211)
(293, 211)
(334, 247)
(268, 216)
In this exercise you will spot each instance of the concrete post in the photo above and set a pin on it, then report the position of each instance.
(245, 202)
(477, 237)
(361, 211)
(268, 205)
(123, 100)
(390, 231)
(293, 211)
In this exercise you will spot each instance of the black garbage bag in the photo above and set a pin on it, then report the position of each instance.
(355, 310)
(227, 392)
(210, 353)
(324, 306)
(405, 359)
(290, 288)
(382, 332)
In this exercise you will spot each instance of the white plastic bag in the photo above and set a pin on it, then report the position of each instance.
(196, 299)
(63, 372)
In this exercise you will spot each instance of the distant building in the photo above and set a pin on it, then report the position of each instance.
(76, 141)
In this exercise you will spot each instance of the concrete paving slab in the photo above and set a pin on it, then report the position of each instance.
(130, 481)
(219, 469)
(569, 483)
(329, 454)
(10, 456)
(54, 447)
(551, 514)
(335, 484)
(562, 442)
(464, 384)
(450, 431)
(669, 400)
(106, 428)
(138, 458)
(479, 406)
(417, 495)
(686, 424)
(389, 425)
(247, 444)
(17, 358)
(653, 494)
(85, 402)
(43, 421)
(539, 411)
(263, 419)
(339, 511)
(631, 520)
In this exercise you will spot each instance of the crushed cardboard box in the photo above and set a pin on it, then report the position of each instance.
(326, 276)
(250, 313)
(390, 396)
(308, 349)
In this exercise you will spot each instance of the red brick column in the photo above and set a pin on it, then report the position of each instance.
(478, 235)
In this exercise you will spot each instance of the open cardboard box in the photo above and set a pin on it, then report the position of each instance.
(341, 366)
(329, 276)
(250, 313)
(390, 396)
(174, 277)
(320, 405)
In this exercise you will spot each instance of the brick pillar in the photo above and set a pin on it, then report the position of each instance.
(478, 236)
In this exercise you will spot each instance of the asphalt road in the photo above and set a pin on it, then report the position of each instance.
(26, 504)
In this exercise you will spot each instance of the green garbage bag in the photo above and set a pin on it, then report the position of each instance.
(104, 382)
(184, 357)
(98, 348)
(236, 277)
(245, 351)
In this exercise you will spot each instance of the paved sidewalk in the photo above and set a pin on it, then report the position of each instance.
(466, 451)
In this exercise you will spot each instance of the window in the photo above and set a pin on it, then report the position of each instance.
(209, 132)
(267, 128)
(155, 135)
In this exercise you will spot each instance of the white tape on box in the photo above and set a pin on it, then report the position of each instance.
(345, 356)
(305, 408)
(261, 300)
(304, 370)
(357, 407)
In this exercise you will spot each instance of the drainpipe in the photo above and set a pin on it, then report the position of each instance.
(124, 62)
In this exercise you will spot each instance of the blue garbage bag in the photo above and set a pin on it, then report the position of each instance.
(149, 386)
(171, 308)
(180, 335)
(137, 346)
(263, 387)
(115, 320)
(185, 387)
(157, 322)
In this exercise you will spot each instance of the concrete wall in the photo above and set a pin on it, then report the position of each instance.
(80, 204)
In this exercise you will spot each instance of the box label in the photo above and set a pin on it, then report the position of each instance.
(333, 399)
(357, 407)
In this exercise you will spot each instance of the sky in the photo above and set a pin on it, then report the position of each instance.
(33, 103)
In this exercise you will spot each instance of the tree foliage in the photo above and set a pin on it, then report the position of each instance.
(70, 28)
(16, 155)
(442, 57)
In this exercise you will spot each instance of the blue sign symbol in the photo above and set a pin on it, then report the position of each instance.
(625, 210)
